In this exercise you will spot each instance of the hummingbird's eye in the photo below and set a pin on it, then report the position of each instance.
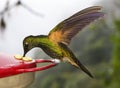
(26, 44)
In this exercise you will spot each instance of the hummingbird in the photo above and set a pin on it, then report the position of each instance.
(56, 43)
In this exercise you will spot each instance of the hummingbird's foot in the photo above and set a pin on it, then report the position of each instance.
(56, 61)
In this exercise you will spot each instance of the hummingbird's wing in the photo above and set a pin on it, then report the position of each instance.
(68, 28)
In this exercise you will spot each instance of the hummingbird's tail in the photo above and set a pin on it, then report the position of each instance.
(70, 57)
(75, 62)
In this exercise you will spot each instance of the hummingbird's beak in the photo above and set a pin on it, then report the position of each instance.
(24, 53)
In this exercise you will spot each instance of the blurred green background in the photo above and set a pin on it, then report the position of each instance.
(98, 48)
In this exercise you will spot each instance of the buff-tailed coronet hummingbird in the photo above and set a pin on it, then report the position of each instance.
(55, 44)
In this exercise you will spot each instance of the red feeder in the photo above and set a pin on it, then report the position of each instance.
(10, 66)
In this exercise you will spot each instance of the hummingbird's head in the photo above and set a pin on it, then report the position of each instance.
(28, 44)
(31, 42)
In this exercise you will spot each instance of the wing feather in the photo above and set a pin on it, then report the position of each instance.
(68, 28)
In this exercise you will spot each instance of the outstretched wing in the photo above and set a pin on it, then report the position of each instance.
(68, 28)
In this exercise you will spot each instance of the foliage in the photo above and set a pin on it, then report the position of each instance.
(116, 57)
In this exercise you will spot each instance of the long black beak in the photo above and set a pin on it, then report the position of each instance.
(24, 53)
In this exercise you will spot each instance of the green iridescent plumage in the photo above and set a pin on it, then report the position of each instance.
(55, 44)
(43, 41)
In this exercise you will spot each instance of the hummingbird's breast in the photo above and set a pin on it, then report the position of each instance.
(52, 50)
(52, 53)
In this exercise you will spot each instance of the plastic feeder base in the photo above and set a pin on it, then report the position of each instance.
(17, 81)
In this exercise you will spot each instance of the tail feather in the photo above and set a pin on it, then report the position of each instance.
(70, 57)
(75, 62)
